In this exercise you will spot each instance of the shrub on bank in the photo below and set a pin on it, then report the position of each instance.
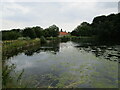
(43, 39)
(23, 38)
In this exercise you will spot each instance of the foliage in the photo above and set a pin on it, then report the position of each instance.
(65, 38)
(38, 31)
(14, 46)
(30, 32)
(23, 38)
(10, 35)
(105, 28)
(43, 40)
(82, 30)
(10, 81)
(52, 31)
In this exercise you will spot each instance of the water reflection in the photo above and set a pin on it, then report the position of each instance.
(69, 64)
(111, 53)
(52, 47)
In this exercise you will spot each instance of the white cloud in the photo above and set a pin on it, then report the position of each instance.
(67, 15)
(6, 24)
(11, 8)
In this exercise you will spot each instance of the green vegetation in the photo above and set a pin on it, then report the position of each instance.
(8, 80)
(43, 40)
(11, 35)
(105, 28)
(65, 38)
(15, 46)
(30, 32)
(12, 78)
(52, 31)
(82, 30)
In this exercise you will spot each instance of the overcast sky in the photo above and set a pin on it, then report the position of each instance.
(66, 15)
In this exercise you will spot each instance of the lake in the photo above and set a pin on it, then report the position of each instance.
(68, 64)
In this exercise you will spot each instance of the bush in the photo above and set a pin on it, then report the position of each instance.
(43, 39)
(23, 38)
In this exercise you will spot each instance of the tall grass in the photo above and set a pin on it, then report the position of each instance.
(11, 78)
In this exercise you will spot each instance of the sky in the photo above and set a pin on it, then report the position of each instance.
(66, 15)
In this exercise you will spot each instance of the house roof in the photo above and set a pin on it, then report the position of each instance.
(63, 33)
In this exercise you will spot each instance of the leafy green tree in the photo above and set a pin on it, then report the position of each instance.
(82, 30)
(105, 28)
(52, 31)
(10, 35)
(38, 31)
(29, 32)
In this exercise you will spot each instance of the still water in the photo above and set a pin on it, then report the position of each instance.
(69, 64)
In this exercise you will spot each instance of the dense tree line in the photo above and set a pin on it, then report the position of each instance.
(31, 32)
(103, 27)
(11, 35)
(82, 30)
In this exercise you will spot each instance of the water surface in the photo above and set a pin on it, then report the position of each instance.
(68, 64)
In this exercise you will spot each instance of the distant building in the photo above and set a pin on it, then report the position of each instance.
(61, 34)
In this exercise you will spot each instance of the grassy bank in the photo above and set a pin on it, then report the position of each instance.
(72, 38)
(14, 46)
(11, 48)
(82, 39)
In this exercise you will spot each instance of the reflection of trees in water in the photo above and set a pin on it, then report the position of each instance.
(52, 47)
(16, 52)
(111, 53)
(8, 55)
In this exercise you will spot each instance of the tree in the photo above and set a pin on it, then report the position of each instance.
(82, 30)
(29, 32)
(52, 31)
(10, 35)
(105, 28)
(38, 31)
(61, 30)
